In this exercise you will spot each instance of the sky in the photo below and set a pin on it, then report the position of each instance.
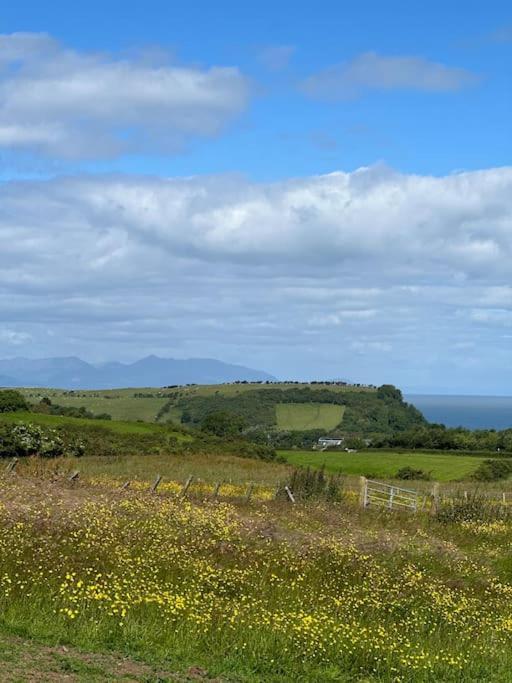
(318, 190)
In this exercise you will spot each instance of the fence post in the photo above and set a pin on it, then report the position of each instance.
(248, 495)
(435, 499)
(465, 496)
(290, 494)
(74, 475)
(391, 497)
(504, 498)
(186, 487)
(11, 466)
(363, 493)
(155, 483)
(125, 485)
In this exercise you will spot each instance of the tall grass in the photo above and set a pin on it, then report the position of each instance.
(272, 593)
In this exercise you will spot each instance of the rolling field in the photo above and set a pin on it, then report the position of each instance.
(120, 404)
(385, 464)
(301, 416)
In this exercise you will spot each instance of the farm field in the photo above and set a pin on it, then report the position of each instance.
(385, 464)
(120, 404)
(301, 416)
(151, 587)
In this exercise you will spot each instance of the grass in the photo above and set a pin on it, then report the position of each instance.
(176, 467)
(117, 427)
(301, 416)
(385, 464)
(259, 593)
(120, 404)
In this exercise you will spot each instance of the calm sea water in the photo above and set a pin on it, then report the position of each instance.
(475, 412)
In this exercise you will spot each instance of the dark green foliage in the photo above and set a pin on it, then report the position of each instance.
(439, 437)
(307, 484)
(389, 393)
(20, 440)
(12, 401)
(411, 473)
(223, 423)
(46, 406)
(492, 470)
(365, 411)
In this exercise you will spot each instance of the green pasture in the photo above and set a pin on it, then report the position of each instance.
(385, 464)
(118, 427)
(301, 416)
(120, 404)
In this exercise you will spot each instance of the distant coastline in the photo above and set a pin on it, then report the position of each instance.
(473, 412)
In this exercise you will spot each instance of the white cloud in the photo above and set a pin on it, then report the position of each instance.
(70, 104)
(371, 71)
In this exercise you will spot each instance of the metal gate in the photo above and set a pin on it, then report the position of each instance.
(378, 494)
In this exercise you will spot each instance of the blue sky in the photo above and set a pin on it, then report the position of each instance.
(319, 191)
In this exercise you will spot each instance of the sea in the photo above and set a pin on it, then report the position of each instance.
(474, 412)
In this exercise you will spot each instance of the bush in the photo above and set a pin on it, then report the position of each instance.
(11, 401)
(20, 440)
(492, 470)
(411, 473)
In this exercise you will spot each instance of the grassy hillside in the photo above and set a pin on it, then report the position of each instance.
(385, 465)
(301, 416)
(113, 426)
(120, 404)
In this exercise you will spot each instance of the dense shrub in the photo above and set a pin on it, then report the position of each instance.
(12, 401)
(492, 470)
(411, 473)
(20, 440)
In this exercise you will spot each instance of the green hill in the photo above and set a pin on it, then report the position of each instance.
(276, 407)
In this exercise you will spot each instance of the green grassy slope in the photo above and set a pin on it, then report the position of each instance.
(116, 427)
(301, 416)
(443, 467)
(122, 404)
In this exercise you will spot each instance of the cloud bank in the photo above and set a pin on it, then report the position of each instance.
(345, 264)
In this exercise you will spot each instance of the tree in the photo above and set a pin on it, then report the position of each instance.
(12, 401)
(388, 391)
(223, 423)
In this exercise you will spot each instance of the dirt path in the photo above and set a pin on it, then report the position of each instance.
(25, 661)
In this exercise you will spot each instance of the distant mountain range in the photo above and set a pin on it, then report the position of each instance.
(74, 373)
